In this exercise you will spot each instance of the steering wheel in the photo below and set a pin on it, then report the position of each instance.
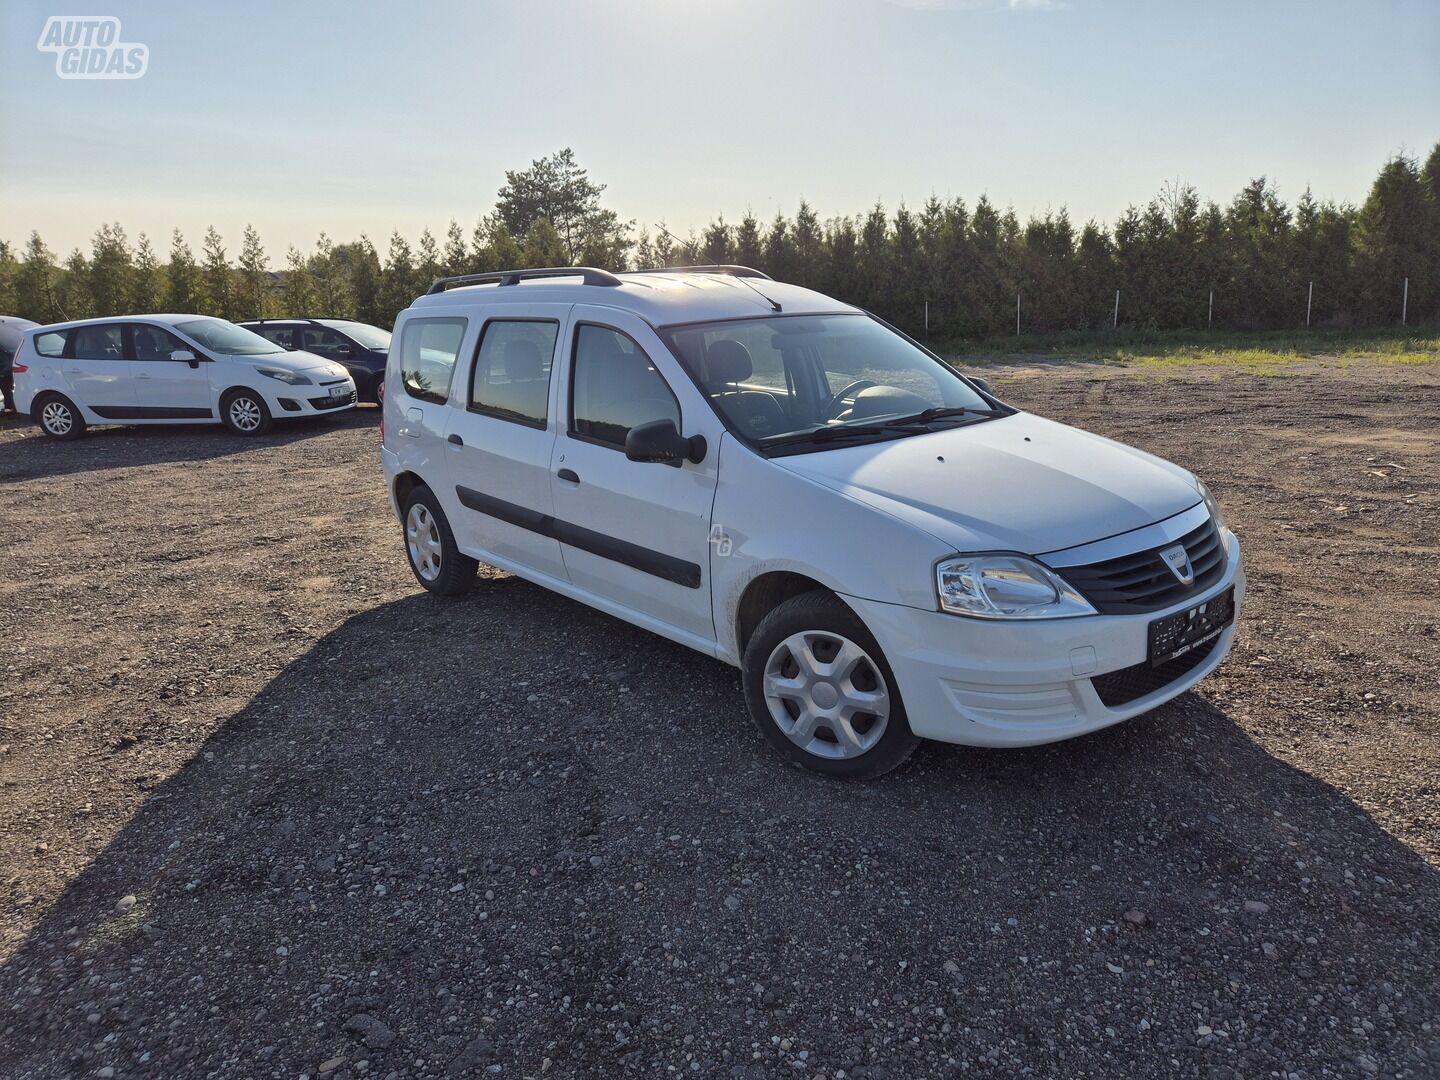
(831, 412)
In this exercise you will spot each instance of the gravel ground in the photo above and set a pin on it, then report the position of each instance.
(267, 810)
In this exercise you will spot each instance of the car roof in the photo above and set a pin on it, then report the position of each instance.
(659, 298)
(163, 320)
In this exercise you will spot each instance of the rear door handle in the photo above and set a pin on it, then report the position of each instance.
(456, 439)
(569, 474)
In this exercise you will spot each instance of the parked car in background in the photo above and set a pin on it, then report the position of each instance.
(777, 479)
(169, 369)
(359, 347)
(11, 330)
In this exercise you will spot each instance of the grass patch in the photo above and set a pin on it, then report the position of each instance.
(1263, 352)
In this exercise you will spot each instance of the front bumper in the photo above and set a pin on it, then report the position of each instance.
(1019, 683)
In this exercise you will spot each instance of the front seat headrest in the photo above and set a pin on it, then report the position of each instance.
(729, 362)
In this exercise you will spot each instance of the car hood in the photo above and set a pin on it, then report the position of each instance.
(1019, 483)
(295, 360)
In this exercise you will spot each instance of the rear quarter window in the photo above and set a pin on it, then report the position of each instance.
(51, 344)
(428, 351)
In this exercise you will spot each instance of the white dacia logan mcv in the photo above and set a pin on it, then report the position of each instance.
(779, 480)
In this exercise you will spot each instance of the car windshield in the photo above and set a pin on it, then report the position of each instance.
(369, 337)
(807, 381)
(226, 338)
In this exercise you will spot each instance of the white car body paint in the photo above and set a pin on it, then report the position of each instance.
(868, 522)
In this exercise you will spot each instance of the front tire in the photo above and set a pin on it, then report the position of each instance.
(435, 559)
(58, 417)
(821, 691)
(245, 412)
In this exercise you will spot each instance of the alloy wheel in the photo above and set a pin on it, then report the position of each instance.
(245, 413)
(826, 695)
(56, 418)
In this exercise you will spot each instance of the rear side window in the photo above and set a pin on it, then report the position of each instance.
(99, 342)
(324, 342)
(280, 335)
(615, 387)
(512, 370)
(428, 351)
(51, 344)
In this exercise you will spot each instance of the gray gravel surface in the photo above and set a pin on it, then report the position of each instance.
(266, 810)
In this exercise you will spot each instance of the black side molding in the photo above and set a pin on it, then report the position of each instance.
(646, 560)
(148, 412)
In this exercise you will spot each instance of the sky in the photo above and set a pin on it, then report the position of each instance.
(308, 116)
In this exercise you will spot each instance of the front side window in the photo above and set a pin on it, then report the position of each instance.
(153, 343)
(51, 344)
(614, 387)
(428, 351)
(370, 337)
(226, 338)
(100, 342)
(323, 342)
(800, 381)
(284, 336)
(511, 379)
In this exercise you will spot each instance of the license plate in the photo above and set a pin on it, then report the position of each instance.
(339, 391)
(1175, 635)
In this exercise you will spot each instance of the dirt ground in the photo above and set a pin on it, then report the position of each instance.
(267, 810)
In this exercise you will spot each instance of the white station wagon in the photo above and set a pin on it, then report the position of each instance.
(779, 480)
(169, 369)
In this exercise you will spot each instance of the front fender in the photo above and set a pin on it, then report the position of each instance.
(769, 519)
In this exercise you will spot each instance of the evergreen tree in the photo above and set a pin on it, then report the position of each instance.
(111, 272)
(362, 264)
(715, 242)
(299, 286)
(147, 284)
(427, 263)
(9, 268)
(219, 278)
(558, 191)
(1391, 231)
(184, 284)
(400, 282)
(77, 297)
(544, 246)
(37, 284)
(749, 244)
(456, 259)
(252, 297)
(330, 277)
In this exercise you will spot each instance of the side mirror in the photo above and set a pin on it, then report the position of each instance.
(186, 356)
(983, 384)
(658, 441)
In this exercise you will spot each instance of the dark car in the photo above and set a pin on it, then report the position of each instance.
(359, 347)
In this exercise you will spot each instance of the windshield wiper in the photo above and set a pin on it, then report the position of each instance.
(940, 413)
(840, 431)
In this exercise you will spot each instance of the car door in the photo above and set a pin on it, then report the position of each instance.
(98, 373)
(500, 435)
(634, 533)
(167, 389)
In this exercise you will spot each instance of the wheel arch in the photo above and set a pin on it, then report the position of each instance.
(763, 594)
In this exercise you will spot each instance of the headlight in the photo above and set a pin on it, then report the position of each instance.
(293, 378)
(1211, 505)
(1005, 587)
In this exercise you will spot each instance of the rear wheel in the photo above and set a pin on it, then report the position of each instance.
(245, 412)
(822, 693)
(58, 417)
(438, 563)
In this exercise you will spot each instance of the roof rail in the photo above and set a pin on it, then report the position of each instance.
(713, 268)
(588, 274)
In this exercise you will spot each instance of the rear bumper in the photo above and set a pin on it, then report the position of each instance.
(1002, 684)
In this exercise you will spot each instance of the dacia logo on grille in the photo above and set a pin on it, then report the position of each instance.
(1178, 560)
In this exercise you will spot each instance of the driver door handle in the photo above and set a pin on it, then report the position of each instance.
(570, 475)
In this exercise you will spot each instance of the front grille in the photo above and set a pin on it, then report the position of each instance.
(332, 403)
(1143, 582)
(331, 382)
(1129, 684)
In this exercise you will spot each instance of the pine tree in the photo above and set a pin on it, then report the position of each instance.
(185, 286)
(77, 297)
(544, 246)
(427, 264)
(147, 285)
(456, 259)
(252, 298)
(219, 278)
(399, 281)
(299, 286)
(9, 268)
(37, 283)
(111, 272)
(749, 245)
(333, 296)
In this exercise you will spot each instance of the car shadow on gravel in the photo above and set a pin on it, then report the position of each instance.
(26, 454)
(508, 829)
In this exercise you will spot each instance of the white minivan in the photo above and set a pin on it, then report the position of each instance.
(779, 480)
(169, 369)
